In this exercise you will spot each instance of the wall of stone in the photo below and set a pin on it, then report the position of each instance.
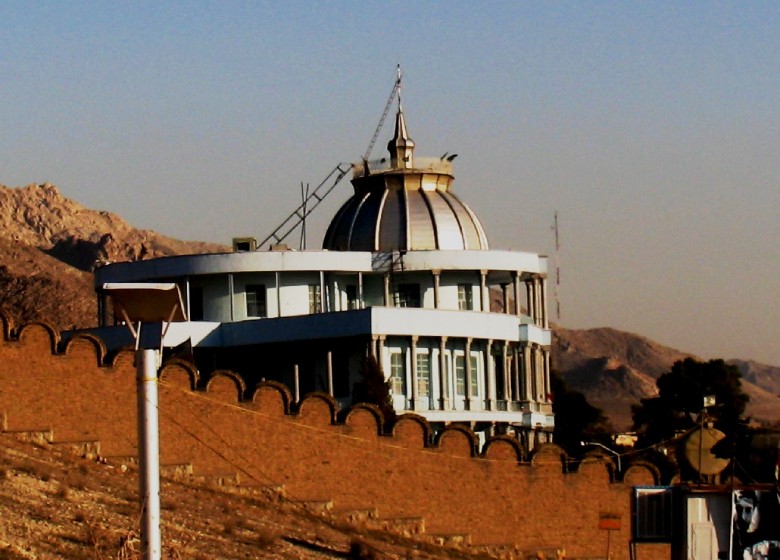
(258, 436)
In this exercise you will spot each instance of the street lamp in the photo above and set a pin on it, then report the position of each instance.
(605, 448)
(135, 304)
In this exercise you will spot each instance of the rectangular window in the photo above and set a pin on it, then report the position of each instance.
(196, 303)
(474, 363)
(407, 295)
(315, 298)
(398, 373)
(465, 301)
(460, 375)
(653, 513)
(352, 297)
(423, 374)
(255, 301)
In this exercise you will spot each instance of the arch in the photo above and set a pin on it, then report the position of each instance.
(599, 456)
(549, 455)
(225, 385)
(40, 333)
(317, 409)
(172, 370)
(503, 448)
(457, 440)
(642, 473)
(364, 417)
(122, 358)
(272, 397)
(412, 430)
(75, 344)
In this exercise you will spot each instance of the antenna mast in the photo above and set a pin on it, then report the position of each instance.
(557, 267)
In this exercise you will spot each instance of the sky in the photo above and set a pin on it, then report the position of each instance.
(652, 128)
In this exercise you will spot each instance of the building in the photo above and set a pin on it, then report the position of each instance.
(405, 274)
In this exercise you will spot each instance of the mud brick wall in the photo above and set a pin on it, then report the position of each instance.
(258, 436)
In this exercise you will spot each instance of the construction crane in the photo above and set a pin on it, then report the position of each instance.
(313, 198)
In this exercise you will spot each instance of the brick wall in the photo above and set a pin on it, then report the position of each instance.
(256, 434)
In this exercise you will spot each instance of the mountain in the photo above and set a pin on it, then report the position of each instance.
(50, 244)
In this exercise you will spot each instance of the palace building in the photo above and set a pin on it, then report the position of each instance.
(405, 274)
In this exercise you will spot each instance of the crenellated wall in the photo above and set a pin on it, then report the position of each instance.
(258, 436)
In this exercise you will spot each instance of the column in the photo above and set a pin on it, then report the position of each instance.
(323, 294)
(330, 372)
(505, 297)
(444, 384)
(528, 374)
(490, 375)
(537, 302)
(507, 374)
(529, 296)
(483, 291)
(413, 360)
(545, 316)
(436, 282)
(278, 280)
(380, 347)
(516, 285)
(230, 296)
(546, 372)
(386, 279)
(469, 373)
(517, 371)
(361, 304)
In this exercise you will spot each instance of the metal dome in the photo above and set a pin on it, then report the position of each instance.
(404, 205)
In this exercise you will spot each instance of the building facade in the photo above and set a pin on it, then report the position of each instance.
(406, 275)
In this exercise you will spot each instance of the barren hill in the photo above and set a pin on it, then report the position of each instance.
(50, 244)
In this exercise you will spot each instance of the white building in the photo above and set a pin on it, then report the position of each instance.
(405, 274)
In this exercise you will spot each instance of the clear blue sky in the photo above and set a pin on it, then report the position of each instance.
(653, 129)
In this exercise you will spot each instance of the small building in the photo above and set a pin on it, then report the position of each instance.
(406, 275)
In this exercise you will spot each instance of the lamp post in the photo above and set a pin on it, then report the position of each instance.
(605, 448)
(135, 304)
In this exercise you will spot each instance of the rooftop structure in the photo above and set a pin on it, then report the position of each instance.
(405, 275)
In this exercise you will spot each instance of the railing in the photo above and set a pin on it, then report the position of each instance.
(432, 164)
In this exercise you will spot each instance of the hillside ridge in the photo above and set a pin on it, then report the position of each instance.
(51, 243)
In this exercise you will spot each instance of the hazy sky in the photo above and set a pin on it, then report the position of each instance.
(652, 128)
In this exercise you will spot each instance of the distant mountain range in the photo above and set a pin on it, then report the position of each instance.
(51, 243)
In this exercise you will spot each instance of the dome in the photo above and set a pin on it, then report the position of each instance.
(404, 205)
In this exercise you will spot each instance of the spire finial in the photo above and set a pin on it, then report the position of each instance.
(398, 85)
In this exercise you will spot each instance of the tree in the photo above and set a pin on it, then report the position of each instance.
(576, 420)
(374, 389)
(680, 401)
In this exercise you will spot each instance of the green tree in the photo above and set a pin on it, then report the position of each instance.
(680, 401)
(576, 420)
(374, 389)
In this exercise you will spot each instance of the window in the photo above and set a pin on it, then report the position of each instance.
(196, 303)
(398, 373)
(255, 301)
(653, 513)
(352, 297)
(474, 363)
(465, 301)
(407, 295)
(460, 375)
(315, 298)
(423, 374)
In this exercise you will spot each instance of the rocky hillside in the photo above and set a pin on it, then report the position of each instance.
(615, 369)
(51, 243)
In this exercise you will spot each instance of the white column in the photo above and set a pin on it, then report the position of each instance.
(436, 282)
(516, 286)
(231, 296)
(330, 372)
(444, 382)
(490, 375)
(386, 280)
(361, 302)
(413, 368)
(507, 373)
(505, 297)
(545, 316)
(529, 296)
(469, 373)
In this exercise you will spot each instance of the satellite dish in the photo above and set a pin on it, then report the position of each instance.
(697, 448)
